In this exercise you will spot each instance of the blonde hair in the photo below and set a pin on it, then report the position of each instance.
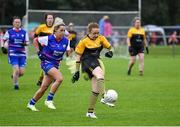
(58, 26)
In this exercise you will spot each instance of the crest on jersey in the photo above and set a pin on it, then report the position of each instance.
(64, 46)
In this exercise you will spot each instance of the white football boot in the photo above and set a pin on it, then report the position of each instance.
(107, 103)
(49, 104)
(91, 115)
(32, 108)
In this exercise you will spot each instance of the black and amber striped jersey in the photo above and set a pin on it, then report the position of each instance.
(136, 36)
(43, 30)
(89, 48)
(73, 39)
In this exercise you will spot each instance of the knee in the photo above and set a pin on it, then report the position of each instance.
(16, 72)
(21, 74)
(59, 80)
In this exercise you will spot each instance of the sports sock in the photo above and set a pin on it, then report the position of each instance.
(92, 101)
(50, 96)
(101, 86)
(32, 101)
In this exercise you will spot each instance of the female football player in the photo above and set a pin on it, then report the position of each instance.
(136, 41)
(88, 54)
(54, 47)
(17, 39)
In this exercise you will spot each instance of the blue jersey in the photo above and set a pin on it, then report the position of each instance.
(53, 49)
(15, 39)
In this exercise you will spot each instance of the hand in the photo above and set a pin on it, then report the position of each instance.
(75, 77)
(109, 54)
(41, 56)
(4, 50)
(147, 50)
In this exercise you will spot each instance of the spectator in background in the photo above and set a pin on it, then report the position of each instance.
(107, 27)
(102, 24)
(154, 38)
(173, 39)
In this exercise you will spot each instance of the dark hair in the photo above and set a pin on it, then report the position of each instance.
(91, 26)
(46, 15)
(16, 17)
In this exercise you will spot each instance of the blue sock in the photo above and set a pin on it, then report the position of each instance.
(32, 101)
(50, 96)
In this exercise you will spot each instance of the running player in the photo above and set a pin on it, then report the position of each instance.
(17, 39)
(54, 47)
(136, 41)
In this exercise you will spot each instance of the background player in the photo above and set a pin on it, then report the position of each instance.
(136, 41)
(17, 39)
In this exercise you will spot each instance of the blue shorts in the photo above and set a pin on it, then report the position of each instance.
(46, 66)
(17, 61)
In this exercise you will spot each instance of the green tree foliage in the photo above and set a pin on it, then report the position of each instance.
(160, 12)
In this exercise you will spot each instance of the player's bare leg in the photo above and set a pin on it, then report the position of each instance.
(15, 77)
(57, 77)
(46, 82)
(40, 78)
(141, 64)
(21, 71)
(131, 63)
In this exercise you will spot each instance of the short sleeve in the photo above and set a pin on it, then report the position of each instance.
(38, 30)
(105, 42)
(6, 36)
(80, 47)
(27, 37)
(68, 46)
(129, 34)
(43, 40)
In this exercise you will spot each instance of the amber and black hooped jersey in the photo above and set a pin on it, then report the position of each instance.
(43, 30)
(89, 48)
(73, 39)
(137, 36)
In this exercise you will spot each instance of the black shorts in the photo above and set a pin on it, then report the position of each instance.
(88, 65)
(133, 51)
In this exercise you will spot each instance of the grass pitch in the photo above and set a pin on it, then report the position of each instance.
(153, 99)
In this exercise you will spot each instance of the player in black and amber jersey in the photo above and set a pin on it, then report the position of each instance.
(88, 54)
(72, 35)
(136, 40)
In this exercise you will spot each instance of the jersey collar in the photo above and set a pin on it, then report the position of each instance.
(17, 30)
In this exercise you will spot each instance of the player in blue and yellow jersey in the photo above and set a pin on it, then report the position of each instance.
(17, 39)
(136, 40)
(88, 55)
(54, 47)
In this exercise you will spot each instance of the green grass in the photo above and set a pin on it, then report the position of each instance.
(153, 99)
